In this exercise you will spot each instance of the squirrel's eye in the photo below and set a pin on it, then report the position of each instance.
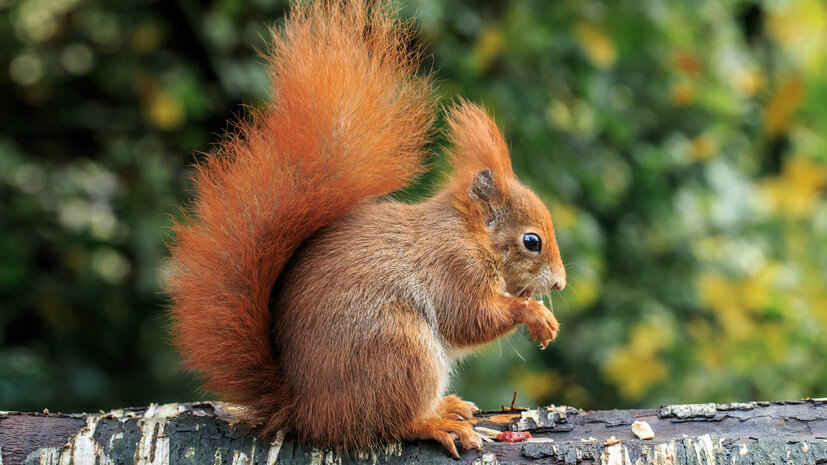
(532, 242)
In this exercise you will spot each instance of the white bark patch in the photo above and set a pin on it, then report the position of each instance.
(332, 459)
(316, 457)
(393, 448)
(85, 449)
(615, 454)
(705, 449)
(240, 458)
(80, 448)
(541, 417)
(666, 454)
(324, 457)
(534, 415)
(487, 459)
(153, 447)
(689, 411)
(167, 411)
(737, 406)
(275, 448)
(48, 456)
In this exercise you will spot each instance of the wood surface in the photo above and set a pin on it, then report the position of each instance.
(791, 432)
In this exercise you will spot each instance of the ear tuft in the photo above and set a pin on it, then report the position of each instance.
(476, 142)
(479, 160)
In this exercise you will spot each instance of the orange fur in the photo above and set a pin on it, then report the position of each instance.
(322, 308)
(347, 120)
(476, 142)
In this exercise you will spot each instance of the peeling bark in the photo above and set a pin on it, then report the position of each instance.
(793, 432)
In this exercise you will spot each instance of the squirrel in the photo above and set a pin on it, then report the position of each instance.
(303, 291)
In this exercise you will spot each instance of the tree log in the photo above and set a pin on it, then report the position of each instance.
(792, 432)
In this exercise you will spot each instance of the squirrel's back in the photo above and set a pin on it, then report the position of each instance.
(347, 120)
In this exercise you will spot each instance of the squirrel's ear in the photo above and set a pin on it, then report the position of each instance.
(483, 192)
(482, 186)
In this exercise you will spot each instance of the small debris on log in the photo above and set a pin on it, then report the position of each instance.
(513, 436)
(642, 430)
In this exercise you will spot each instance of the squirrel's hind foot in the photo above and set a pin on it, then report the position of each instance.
(446, 432)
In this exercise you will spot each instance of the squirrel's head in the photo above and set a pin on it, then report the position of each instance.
(519, 233)
(508, 217)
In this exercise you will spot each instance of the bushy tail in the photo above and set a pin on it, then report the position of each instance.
(348, 120)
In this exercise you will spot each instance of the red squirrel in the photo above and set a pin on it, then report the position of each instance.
(303, 292)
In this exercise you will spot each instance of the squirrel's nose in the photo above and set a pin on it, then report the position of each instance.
(558, 283)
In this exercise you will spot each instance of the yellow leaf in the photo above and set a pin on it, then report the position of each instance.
(782, 106)
(634, 373)
(754, 291)
(716, 291)
(588, 289)
(635, 367)
(559, 115)
(598, 46)
(146, 38)
(539, 386)
(703, 147)
(776, 343)
(683, 93)
(489, 46)
(796, 190)
(164, 111)
(650, 336)
(800, 27)
(566, 216)
(749, 81)
(719, 294)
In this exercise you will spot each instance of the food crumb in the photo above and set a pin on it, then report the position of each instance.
(642, 430)
(611, 441)
(513, 436)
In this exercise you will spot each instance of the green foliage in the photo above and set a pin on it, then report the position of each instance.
(680, 146)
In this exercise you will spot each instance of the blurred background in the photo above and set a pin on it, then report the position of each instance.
(681, 147)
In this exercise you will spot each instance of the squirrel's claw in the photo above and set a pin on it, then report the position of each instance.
(446, 431)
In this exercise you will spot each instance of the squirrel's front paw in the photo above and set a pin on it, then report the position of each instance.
(542, 325)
